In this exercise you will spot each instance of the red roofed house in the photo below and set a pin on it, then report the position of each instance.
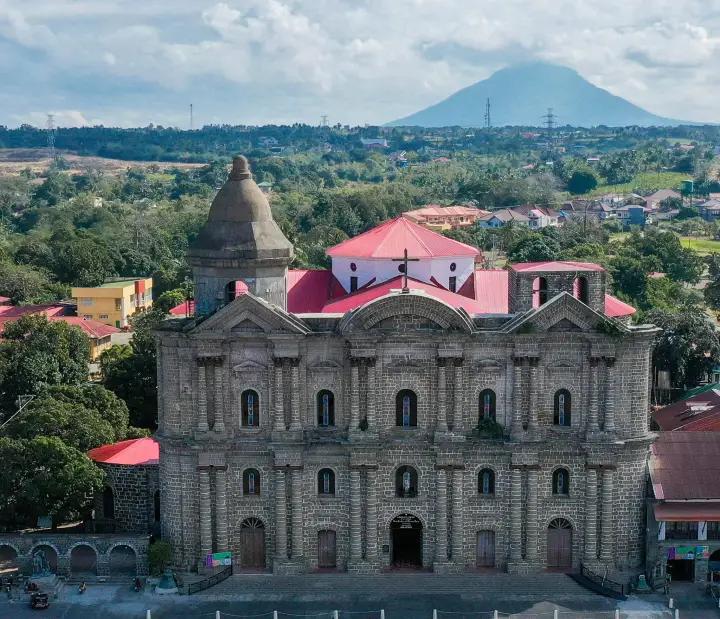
(130, 501)
(439, 218)
(684, 507)
(341, 418)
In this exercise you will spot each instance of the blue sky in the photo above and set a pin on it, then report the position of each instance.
(132, 62)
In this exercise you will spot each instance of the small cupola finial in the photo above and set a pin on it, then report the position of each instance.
(240, 168)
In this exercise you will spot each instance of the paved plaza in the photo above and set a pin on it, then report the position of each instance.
(402, 596)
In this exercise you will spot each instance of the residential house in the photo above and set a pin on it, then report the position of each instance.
(502, 217)
(374, 143)
(653, 201)
(441, 218)
(710, 210)
(632, 215)
(114, 302)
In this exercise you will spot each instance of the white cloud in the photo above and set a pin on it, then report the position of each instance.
(365, 60)
(61, 118)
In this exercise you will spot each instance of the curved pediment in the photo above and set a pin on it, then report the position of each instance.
(401, 312)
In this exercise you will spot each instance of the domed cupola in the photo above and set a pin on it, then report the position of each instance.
(240, 242)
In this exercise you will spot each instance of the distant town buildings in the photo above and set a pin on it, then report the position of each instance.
(114, 302)
(439, 218)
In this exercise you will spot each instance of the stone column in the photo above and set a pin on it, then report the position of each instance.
(516, 427)
(531, 516)
(591, 515)
(281, 550)
(592, 422)
(606, 540)
(221, 521)
(278, 395)
(371, 517)
(441, 397)
(370, 398)
(516, 515)
(204, 512)
(609, 395)
(219, 424)
(534, 387)
(297, 514)
(354, 394)
(458, 397)
(458, 536)
(202, 422)
(295, 394)
(441, 517)
(355, 517)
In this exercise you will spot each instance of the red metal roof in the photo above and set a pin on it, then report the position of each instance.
(392, 238)
(695, 511)
(186, 308)
(556, 265)
(132, 452)
(686, 465)
(616, 308)
(698, 413)
(92, 328)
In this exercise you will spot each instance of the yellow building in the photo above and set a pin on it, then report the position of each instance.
(115, 301)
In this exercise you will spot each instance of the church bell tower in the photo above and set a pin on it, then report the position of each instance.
(240, 242)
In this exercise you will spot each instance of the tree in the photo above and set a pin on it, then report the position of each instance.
(159, 556)
(169, 299)
(25, 284)
(688, 347)
(536, 248)
(130, 371)
(44, 477)
(582, 181)
(37, 353)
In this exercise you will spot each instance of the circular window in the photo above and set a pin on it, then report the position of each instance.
(353, 266)
(401, 268)
(453, 266)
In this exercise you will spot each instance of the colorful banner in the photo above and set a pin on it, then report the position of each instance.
(218, 559)
(688, 553)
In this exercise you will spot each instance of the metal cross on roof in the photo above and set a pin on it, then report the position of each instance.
(405, 261)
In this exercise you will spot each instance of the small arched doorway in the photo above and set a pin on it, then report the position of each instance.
(8, 557)
(327, 549)
(559, 544)
(406, 532)
(50, 556)
(123, 561)
(252, 544)
(83, 561)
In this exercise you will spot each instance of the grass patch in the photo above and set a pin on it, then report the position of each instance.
(645, 181)
(700, 245)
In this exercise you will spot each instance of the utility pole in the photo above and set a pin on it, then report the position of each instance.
(191, 117)
(51, 135)
(549, 120)
(323, 120)
(488, 124)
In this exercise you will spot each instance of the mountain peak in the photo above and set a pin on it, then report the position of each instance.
(520, 94)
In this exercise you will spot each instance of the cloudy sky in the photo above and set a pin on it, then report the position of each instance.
(133, 62)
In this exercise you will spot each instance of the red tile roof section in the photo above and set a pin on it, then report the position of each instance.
(92, 328)
(132, 452)
(687, 512)
(698, 413)
(390, 239)
(557, 265)
(686, 466)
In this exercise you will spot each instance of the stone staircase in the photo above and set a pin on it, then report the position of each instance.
(317, 587)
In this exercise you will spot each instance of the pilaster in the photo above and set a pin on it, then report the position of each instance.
(516, 427)
(204, 514)
(281, 547)
(355, 517)
(534, 387)
(297, 516)
(219, 423)
(371, 396)
(221, 520)
(441, 396)
(607, 546)
(609, 425)
(531, 516)
(371, 533)
(591, 479)
(457, 395)
(295, 424)
(202, 420)
(592, 422)
(278, 395)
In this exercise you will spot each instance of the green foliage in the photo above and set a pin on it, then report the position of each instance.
(37, 353)
(169, 299)
(582, 181)
(688, 346)
(26, 284)
(44, 477)
(535, 248)
(489, 428)
(159, 557)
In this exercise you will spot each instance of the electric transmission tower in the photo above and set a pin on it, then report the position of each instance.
(488, 124)
(549, 120)
(324, 120)
(51, 136)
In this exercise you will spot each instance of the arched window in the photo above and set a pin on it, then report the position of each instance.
(108, 500)
(251, 482)
(250, 404)
(562, 408)
(326, 482)
(325, 408)
(540, 291)
(486, 481)
(561, 481)
(580, 286)
(487, 404)
(406, 408)
(406, 482)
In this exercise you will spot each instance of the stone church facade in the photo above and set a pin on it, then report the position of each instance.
(405, 431)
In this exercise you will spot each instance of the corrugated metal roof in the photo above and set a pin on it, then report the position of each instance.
(132, 452)
(699, 412)
(556, 265)
(686, 465)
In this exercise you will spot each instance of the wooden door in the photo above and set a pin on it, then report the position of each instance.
(252, 544)
(486, 549)
(327, 556)
(559, 548)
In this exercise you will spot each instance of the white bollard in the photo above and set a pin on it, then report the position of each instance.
(147, 614)
(495, 614)
(382, 613)
(434, 613)
(275, 614)
(671, 603)
(677, 613)
(555, 614)
(617, 614)
(335, 614)
(217, 614)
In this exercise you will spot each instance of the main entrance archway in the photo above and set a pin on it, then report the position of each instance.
(252, 544)
(559, 544)
(406, 532)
